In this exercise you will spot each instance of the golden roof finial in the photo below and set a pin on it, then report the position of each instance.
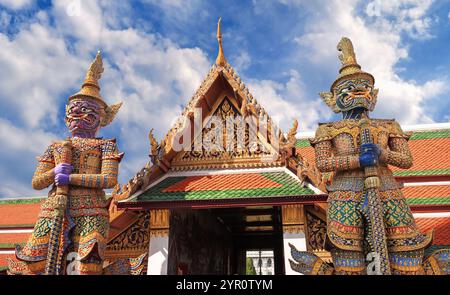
(220, 60)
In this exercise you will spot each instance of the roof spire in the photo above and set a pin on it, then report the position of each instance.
(220, 60)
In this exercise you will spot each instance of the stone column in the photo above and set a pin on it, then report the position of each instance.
(159, 242)
(293, 233)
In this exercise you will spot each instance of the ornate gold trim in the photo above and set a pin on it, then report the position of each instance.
(159, 219)
(293, 218)
(293, 229)
(159, 233)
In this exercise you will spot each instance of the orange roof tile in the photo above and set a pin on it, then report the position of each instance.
(428, 154)
(427, 191)
(3, 262)
(19, 214)
(441, 228)
(13, 238)
(222, 182)
(308, 153)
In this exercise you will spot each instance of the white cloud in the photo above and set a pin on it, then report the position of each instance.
(241, 61)
(19, 147)
(22, 140)
(16, 4)
(378, 47)
(155, 77)
(402, 15)
(40, 69)
(286, 102)
(152, 75)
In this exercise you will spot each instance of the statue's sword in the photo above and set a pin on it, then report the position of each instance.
(54, 256)
(373, 207)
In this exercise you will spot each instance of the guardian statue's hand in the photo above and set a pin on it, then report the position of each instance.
(62, 172)
(370, 147)
(63, 168)
(61, 179)
(368, 159)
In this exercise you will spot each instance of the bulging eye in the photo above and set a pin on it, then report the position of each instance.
(84, 110)
(350, 88)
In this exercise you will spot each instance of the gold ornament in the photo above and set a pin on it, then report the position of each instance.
(91, 89)
(153, 143)
(220, 60)
(350, 68)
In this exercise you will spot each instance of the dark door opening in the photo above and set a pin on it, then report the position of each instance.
(257, 236)
(217, 241)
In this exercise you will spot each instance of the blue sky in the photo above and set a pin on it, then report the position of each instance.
(156, 54)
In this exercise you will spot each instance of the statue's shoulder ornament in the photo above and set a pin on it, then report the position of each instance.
(48, 155)
(391, 127)
(110, 150)
(327, 131)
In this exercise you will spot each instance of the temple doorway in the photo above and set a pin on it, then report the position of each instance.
(226, 241)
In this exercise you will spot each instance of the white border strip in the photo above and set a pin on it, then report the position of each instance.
(431, 215)
(7, 252)
(426, 127)
(426, 183)
(15, 231)
(419, 127)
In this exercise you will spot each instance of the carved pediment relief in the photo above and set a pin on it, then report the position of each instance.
(228, 139)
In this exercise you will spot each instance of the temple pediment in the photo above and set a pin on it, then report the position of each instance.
(223, 126)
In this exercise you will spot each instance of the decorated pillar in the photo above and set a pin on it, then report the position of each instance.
(159, 242)
(293, 232)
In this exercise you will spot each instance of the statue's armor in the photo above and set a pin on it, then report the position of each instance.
(337, 150)
(86, 224)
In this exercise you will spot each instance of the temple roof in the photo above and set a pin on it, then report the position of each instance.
(19, 212)
(429, 149)
(223, 95)
(440, 225)
(427, 194)
(244, 185)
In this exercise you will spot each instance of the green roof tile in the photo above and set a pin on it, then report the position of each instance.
(21, 201)
(302, 143)
(431, 134)
(429, 201)
(10, 245)
(422, 172)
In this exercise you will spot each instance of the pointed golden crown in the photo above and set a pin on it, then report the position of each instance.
(91, 87)
(220, 60)
(350, 68)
